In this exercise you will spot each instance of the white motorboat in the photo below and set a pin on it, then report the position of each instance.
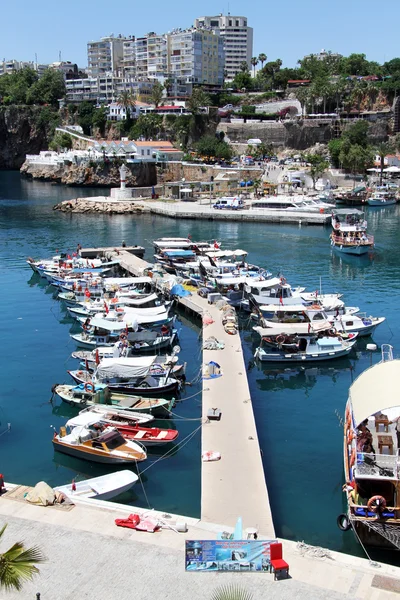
(381, 199)
(303, 320)
(104, 487)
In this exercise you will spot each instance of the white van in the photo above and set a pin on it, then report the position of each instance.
(231, 202)
(254, 142)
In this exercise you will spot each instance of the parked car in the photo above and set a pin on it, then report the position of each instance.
(231, 202)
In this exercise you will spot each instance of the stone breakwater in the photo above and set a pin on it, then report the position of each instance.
(100, 205)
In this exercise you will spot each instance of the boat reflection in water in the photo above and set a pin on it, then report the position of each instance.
(300, 377)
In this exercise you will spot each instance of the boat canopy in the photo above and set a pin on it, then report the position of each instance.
(83, 420)
(347, 211)
(267, 283)
(145, 312)
(222, 253)
(329, 341)
(295, 308)
(375, 390)
(137, 301)
(128, 367)
(107, 324)
(279, 329)
(179, 253)
(235, 280)
(123, 281)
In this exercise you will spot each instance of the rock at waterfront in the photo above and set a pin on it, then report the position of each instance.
(100, 205)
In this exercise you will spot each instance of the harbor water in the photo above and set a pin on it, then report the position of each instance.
(297, 410)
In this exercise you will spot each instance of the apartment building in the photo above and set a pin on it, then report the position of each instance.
(196, 57)
(129, 57)
(237, 37)
(105, 89)
(151, 55)
(106, 56)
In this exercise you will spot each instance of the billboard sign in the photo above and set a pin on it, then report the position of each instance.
(228, 555)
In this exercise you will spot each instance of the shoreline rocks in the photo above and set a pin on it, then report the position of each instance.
(101, 204)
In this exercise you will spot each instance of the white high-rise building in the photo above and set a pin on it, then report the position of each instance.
(106, 56)
(151, 55)
(196, 57)
(237, 36)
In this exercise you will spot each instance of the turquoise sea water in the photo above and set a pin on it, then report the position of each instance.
(296, 409)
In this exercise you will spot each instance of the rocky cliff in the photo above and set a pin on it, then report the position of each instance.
(23, 130)
(99, 175)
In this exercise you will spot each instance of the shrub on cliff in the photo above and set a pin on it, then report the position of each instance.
(61, 141)
(209, 145)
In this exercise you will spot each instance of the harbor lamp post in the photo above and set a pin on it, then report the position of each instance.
(211, 186)
(122, 175)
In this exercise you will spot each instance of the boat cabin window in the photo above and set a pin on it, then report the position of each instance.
(318, 317)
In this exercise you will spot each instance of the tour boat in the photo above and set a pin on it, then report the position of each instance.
(295, 203)
(349, 232)
(147, 436)
(371, 455)
(306, 319)
(104, 487)
(108, 446)
(302, 348)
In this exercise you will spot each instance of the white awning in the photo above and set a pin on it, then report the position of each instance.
(376, 389)
(268, 283)
(131, 367)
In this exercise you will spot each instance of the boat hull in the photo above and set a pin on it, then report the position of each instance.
(299, 357)
(380, 203)
(91, 488)
(354, 250)
(87, 454)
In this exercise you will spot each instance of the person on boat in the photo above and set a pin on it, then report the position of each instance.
(78, 248)
(397, 427)
(164, 329)
(123, 244)
(369, 449)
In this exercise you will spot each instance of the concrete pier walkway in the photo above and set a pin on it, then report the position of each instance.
(88, 556)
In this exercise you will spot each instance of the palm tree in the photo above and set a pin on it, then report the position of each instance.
(231, 592)
(382, 150)
(168, 84)
(17, 564)
(303, 96)
(254, 62)
(157, 94)
(262, 58)
(127, 100)
(244, 67)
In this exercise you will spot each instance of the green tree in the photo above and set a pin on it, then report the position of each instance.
(197, 100)
(157, 94)
(18, 564)
(61, 141)
(148, 126)
(211, 146)
(244, 67)
(48, 89)
(99, 119)
(262, 58)
(242, 80)
(303, 96)
(319, 165)
(85, 116)
(355, 158)
(254, 63)
(14, 87)
(335, 147)
(168, 85)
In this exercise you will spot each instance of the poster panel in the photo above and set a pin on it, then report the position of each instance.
(228, 555)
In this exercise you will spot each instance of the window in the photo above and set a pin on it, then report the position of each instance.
(148, 152)
(237, 23)
(230, 22)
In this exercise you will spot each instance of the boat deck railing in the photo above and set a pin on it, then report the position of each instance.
(387, 352)
(348, 241)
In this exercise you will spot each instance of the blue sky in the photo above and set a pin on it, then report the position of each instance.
(286, 29)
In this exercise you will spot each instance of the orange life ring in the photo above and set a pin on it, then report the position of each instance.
(122, 336)
(280, 339)
(376, 501)
(353, 457)
(89, 387)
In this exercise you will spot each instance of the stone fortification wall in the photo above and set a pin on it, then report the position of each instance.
(297, 135)
(177, 171)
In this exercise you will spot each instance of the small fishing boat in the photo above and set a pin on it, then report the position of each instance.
(349, 233)
(84, 395)
(106, 396)
(381, 199)
(147, 436)
(108, 446)
(104, 487)
(282, 347)
(371, 455)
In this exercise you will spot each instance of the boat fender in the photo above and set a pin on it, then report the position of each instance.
(375, 503)
(343, 522)
(353, 459)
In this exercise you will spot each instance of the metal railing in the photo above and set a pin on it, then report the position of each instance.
(377, 465)
(387, 352)
(367, 240)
